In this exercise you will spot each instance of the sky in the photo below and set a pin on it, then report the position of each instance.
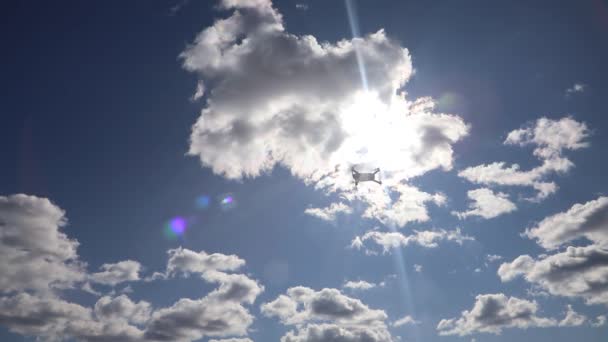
(183, 171)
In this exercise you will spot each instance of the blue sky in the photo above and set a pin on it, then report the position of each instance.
(181, 171)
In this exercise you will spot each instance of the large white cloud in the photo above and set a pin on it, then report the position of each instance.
(550, 138)
(327, 315)
(577, 272)
(487, 204)
(492, 313)
(275, 98)
(589, 220)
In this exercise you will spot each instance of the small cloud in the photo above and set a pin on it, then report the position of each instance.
(359, 285)
(407, 320)
(302, 7)
(478, 270)
(576, 88)
(418, 268)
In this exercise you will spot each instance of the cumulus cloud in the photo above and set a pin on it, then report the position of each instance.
(185, 261)
(550, 138)
(112, 274)
(576, 272)
(35, 253)
(39, 261)
(406, 320)
(425, 238)
(329, 213)
(275, 98)
(589, 220)
(487, 204)
(327, 315)
(492, 313)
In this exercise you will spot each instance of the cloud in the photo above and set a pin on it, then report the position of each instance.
(122, 308)
(426, 238)
(117, 273)
(589, 220)
(279, 99)
(406, 320)
(35, 253)
(493, 257)
(418, 268)
(572, 319)
(333, 332)
(191, 320)
(39, 262)
(56, 319)
(492, 313)
(327, 315)
(576, 88)
(302, 7)
(487, 204)
(329, 213)
(577, 272)
(232, 340)
(185, 261)
(600, 321)
(359, 285)
(550, 138)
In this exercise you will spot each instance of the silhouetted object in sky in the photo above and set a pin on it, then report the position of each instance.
(365, 177)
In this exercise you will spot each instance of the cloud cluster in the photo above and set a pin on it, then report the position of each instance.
(550, 138)
(275, 98)
(426, 238)
(576, 271)
(39, 261)
(327, 315)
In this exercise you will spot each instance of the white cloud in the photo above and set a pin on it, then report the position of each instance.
(493, 257)
(425, 238)
(600, 321)
(327, 315)
(232, 340)
(576, 88)
(577, 272)
(418, 268)
(551, 138)
(359, 285)
(589, 220)
(329, 213)
(35, 253)
(487, 204)
(185, 261)
(112, 274)
(406, 320)
(572, 319)
(275, 98)
(492, 313)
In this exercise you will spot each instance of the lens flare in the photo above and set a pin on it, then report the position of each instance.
(203, 201)
(176, 227)
(227, 201)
